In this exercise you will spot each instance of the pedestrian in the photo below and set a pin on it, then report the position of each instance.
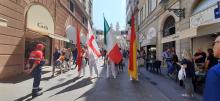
(60, 62)
(188, 64)
(74, 53)
(92, 63)
(67, 58)
(83, 64)
(212, 88)
(167, 55)
(36, 62)
(56, 56)
(110, 68)
(211, 60)
(200, 58)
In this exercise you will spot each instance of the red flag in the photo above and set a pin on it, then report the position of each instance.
(79, 56)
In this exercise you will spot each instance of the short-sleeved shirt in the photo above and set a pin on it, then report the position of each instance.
(190, 70)
(36, 56)
(202, 59)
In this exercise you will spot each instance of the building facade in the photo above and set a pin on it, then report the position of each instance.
(23, 22)
(178, 24)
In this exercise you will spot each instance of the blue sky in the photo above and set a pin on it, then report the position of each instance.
(114, 11)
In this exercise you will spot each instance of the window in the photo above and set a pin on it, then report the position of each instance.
(146, 9)
(141, 15)
(169, 26)
(152, 5)
(84, 20)
(72, 8)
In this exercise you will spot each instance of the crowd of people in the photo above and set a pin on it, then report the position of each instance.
(65, 58)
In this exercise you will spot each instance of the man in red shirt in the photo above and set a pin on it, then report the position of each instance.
(36, 61)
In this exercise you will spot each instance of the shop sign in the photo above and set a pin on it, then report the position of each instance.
(217, 11)
(40, 22)
(203, 18)
(41, 25)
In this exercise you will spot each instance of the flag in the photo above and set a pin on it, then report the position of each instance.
(133, 52)
(92, 43)
(113, 51)
(79, 49)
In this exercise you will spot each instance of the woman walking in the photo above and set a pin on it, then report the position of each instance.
(188, 64)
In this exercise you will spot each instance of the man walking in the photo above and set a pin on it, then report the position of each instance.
(56, 56)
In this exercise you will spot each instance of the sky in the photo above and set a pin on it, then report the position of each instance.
(114, 11)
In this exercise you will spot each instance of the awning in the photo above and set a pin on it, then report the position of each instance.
(58, 37)
(151, 38)
(71, 33)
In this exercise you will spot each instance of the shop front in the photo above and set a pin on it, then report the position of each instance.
(150, 42)
(207, 23)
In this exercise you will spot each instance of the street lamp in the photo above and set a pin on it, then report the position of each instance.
(178, 12)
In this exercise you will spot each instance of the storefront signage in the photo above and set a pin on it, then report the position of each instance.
(217, 11)
(40, 22)
(203, 18)
(40, 25)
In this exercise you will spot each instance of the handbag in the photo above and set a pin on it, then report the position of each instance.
(182, 74)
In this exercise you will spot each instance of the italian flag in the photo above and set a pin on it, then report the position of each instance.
(132, 67)
(113, 51)
(92, 43)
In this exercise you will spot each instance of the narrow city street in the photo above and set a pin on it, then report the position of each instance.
(67, 87)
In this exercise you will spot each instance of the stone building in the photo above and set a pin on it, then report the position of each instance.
(54, 22)
(178, 24)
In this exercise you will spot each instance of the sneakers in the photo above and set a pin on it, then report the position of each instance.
(36, 95)
(40, 89)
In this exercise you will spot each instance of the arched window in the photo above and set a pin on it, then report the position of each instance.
(169, 26)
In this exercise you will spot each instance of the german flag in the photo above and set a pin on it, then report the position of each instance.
(132, 67)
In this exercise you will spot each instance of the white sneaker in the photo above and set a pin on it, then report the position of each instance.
(185, 95)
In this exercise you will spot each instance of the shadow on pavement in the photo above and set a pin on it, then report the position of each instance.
(20, 78)
(24, 97)
(63, 84)
(84, 82)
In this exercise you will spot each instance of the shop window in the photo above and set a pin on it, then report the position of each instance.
(84, 20)
(169, 26)
(169, 45)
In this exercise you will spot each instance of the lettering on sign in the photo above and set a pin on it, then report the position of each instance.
(40, 25)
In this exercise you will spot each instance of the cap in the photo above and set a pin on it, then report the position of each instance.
(39, 46)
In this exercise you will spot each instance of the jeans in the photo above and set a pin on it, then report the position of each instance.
(189, 86)
(169, 67)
